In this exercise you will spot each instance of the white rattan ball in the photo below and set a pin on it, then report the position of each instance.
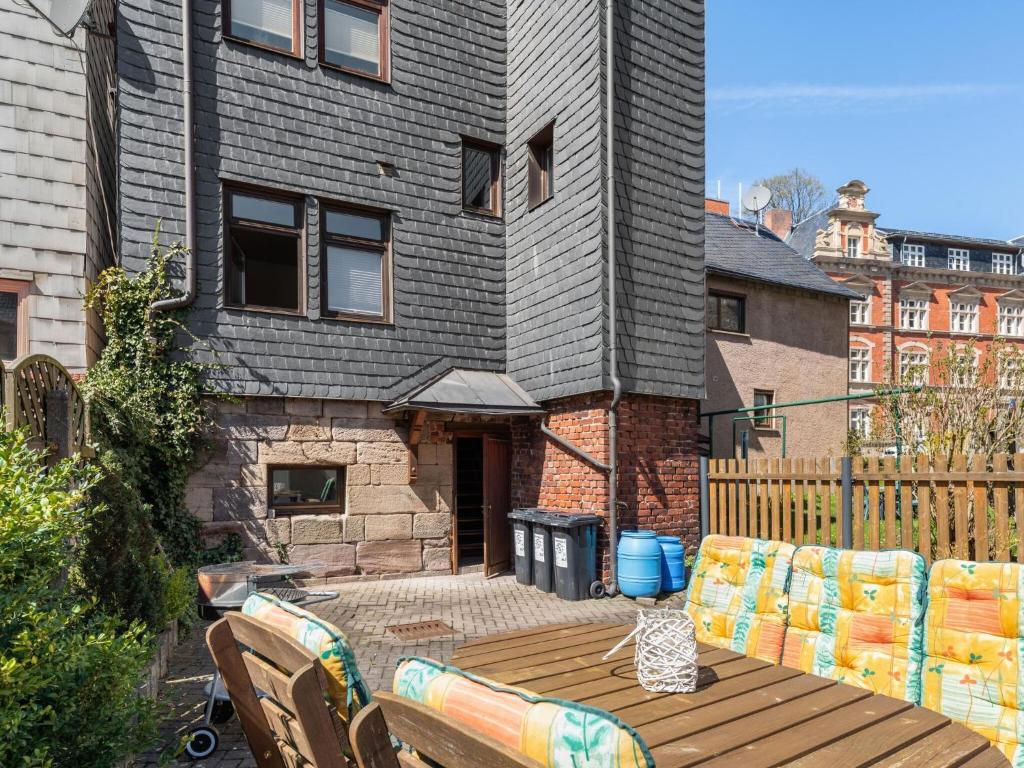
(666, 651)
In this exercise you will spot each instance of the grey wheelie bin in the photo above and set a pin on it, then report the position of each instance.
(522, 543)
(543, 578)
(574, 554)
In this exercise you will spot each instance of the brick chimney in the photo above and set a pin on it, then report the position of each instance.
(779, 221)
(711, 205)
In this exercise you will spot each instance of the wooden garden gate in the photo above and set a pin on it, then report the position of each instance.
(39, 395)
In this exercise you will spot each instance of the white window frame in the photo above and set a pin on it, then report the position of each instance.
(959, 259)
(963, 316)
(860, 421)
(910, 358)
(860, 364)
(853, 246)
(912, 254)
(913, 313)
(860, 312)
(1008, 366)
(1011, 319)
(1003, 263)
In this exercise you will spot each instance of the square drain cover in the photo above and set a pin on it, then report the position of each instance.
(421, 630)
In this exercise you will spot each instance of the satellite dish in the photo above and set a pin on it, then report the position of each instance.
(65, 16)
(757, 198)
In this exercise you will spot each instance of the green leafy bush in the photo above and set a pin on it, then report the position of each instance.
(151, 427)
(68, 672)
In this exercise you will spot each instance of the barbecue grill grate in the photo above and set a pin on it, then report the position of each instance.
(421, 630)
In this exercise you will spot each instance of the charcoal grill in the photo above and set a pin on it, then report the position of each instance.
(225, 587)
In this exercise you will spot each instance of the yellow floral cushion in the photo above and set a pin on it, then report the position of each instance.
(554, 732)
(857, 617)
(973, 671)
(737, 595)
(347, 689)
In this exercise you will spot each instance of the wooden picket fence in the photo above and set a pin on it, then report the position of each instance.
(970, 508)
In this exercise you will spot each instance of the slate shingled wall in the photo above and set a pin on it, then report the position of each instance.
(288, 124)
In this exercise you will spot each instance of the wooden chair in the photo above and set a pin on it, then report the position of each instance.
(293, 724)
(433, 736)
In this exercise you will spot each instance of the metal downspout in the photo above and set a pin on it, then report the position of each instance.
(613, 347)
(189, 295)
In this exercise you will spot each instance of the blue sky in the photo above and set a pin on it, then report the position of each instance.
(922, 100)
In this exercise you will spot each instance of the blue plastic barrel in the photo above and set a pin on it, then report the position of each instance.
(673, 565)
(639, 564)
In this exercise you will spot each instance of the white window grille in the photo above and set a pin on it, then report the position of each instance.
(860, 364)
(963, 317)
(912, 255)
(1011, 319)
(860, 312)
(914, 314)
(959, 258)
(913, 367)
(1009, 373)
(1002, 263)
(860, 421)
(852, 247)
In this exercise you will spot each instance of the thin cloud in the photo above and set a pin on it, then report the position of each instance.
(822, 96)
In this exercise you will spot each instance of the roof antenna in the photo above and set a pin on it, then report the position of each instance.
(756, 200)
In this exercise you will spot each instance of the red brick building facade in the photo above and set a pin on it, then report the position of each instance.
(923, 292)
(659, 445)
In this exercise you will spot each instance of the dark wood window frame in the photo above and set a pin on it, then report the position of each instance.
(298, 231)
(296, 49)
(494, 150)
(297, 508)
(383, 10)
(714, 311)
(383, 246)
(540, 172)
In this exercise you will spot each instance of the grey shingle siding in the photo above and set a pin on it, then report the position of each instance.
(555, 266)
(469, 291)
(286, 124)
(660, 195)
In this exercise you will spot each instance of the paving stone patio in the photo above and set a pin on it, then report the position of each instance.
(471, 605)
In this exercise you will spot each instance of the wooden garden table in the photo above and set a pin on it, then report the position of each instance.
(745, 712)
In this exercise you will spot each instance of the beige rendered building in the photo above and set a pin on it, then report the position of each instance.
(777, 332)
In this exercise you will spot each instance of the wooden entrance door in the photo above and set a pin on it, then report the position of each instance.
(497, 503)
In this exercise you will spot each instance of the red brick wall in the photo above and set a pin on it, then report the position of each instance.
(659, 445)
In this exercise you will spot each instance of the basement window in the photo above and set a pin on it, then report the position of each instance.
(306, 489)
(270, 24)
(263, 245)
(541, 168)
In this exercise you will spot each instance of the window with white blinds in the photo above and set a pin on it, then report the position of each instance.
(356, 271)
(266, 22)
(352, 35)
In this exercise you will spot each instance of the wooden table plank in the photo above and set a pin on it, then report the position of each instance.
(654, 706)
(864, 748)
(611, 676)
(609, 635)
(678, 726)
(479, 645)
(823, 730)
(709, 744)
(470, 647)
(950, 747)
(745, 712)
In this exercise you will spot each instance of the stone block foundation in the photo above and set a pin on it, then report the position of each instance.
(388, 526)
